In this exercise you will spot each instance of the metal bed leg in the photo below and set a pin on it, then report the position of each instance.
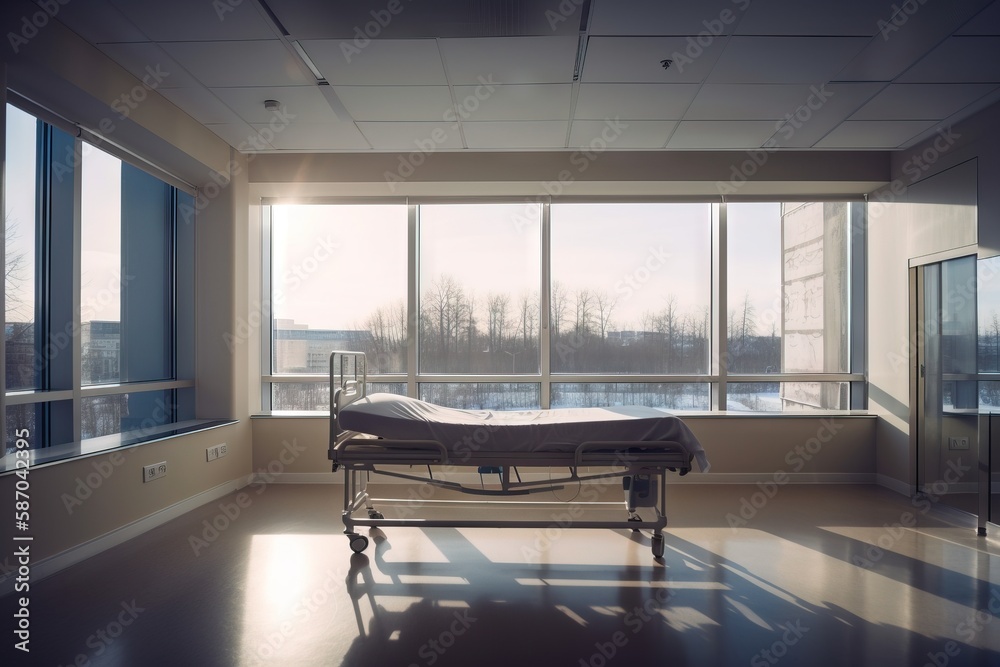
(661, 510)
(357, 541)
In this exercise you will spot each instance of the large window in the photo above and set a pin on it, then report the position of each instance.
(631, 288)
(480, 273)
(518, 305)
(99, 305)
(788, 303)
(338, 281)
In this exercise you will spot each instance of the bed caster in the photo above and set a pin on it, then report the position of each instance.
(657, 546)
(358, 542)
(375, 514)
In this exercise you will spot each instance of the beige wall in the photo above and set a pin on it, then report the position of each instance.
(940, 199)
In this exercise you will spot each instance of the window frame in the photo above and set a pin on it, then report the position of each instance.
(717, 377)
(60, 393)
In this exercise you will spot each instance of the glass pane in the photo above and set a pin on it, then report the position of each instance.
(483, 395)
(338, 282)
(101, 260)
(788, 285)
(989, 396)
(316, 395)
(988, 295)
(19, 275)
(787, 396)
(631, 288)
(480, 270)
(22, 422)
(958, 318)
(669, 395)
(147, 292)
(132, 413)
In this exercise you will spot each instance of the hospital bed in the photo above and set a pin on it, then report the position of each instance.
(391, 435)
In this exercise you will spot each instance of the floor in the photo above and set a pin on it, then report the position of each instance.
(816, 575)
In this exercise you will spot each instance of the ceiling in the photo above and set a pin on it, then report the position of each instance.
(490, 75)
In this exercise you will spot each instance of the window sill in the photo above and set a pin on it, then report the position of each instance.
(694, 414)
(96, 446)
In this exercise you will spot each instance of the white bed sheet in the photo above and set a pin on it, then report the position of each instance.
(403, 418)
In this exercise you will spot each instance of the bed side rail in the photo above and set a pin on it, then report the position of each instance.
(369, 450)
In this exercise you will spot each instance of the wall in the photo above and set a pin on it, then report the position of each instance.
(942, 197)
(59, 71)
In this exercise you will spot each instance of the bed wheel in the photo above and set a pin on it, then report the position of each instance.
(358, 542)
(658, 546)
(375, 514)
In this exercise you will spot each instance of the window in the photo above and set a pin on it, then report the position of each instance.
(480, 273)
(338, 282)
(631, 288)
(19, 261)
(133, 281)
(508, 306)
(788, 303)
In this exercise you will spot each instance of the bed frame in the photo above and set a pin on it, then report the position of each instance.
(642, 466)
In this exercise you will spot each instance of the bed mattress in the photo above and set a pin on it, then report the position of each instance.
(560, 430)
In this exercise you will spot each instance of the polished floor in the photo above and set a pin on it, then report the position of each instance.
(817, 575)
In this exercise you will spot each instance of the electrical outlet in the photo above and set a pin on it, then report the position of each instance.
(958, 442)
(154, 471)
(217, 451)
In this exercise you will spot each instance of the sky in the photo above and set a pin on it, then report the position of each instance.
(100, 219)
(334, 264)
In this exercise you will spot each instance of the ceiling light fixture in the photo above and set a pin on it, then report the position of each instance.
(307, 60)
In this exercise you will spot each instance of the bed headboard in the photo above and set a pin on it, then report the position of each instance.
(348, 383)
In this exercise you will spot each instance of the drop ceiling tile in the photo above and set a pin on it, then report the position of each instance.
(240, 136)
(790, 17)
(385, 62)
(922, 101)
(820, 113)
(515, 134)
(237, 64)
(864, 134)
(396, 103)
(638, 101)
(201, 105)
(196, 20)
(638, 60)
(314, 137)
(656, 17)
(99, 21)
(986, 22)
(510, 59)
(713, 134)
(423, 137)
(409, 19)
(299, 104)
(142, 59)
(622, 134)
(514, 102)
(733, 101)
(958, 60)
(809, 60)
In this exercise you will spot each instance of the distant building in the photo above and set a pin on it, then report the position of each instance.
(100, 343)
(299, 349)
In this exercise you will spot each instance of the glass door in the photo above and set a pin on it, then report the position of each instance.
(948, 424)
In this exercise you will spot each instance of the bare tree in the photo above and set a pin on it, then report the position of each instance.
(605, 308)
(559, 307)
